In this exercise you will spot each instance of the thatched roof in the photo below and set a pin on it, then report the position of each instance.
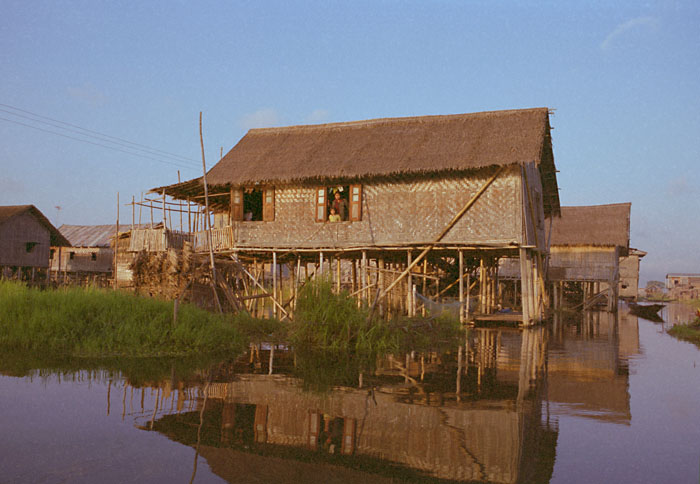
(596, 225)
(384, 147)
(9, 211)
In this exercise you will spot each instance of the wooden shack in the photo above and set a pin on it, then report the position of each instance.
(425, 203)
(26, 238)
(90, 257)
(586, 246)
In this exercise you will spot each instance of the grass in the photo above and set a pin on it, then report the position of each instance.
(328, 327)
(687, 332)
(94, 322)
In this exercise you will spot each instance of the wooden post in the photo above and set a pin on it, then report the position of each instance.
(524, 286)
(133, 213)
(338, 273)
(409, 288)
(363, 275)
(320, 262)
(206, 219)
(274, 281)
(116, 248)
(461, 286)
(466, 309)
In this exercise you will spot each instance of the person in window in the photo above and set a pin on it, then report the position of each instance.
(333, 217)
(340, 205)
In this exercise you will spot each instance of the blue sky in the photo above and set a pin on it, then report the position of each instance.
(622, 77)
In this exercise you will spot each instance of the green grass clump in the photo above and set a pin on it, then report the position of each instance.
(327, 321)
(687, 332)
(94, 322)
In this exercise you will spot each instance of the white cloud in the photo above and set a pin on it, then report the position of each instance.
(89, 94)
(262, 118)
(318, 116)
(625, 27)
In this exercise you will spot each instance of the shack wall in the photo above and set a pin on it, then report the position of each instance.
(629, 277)
(82, 259)
(15, 234)
(583, 263)
(396, 212)
(532, 207)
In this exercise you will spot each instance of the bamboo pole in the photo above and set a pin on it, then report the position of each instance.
(206, 219)
(274, 281)
(409, 286)
(116, 248)
(461, 286)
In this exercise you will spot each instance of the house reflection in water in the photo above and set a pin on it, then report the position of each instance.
(472, 414)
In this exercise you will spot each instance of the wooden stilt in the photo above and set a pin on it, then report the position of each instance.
(461, 286)
(274, 281)
(409, 287)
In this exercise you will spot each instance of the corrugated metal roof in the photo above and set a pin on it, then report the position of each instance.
(92, 235)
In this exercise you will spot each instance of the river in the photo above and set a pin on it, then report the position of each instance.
(591, 398)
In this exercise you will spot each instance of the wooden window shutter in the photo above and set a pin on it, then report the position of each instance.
(236, 204)
(268, 204)
(355, 203)
(321, 204)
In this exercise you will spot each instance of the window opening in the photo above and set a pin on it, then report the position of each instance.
(252, 204)
(339, 203)
(72, 255)
(30, 246)
(93, 256)
(51, 253)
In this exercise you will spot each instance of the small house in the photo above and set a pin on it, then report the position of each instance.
(90, 258)
(26, 238)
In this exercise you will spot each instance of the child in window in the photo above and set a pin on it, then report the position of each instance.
(334, 217)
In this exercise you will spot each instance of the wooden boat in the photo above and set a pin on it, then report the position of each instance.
(647, 311)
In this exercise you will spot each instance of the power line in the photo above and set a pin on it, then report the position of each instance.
(97, 144)
(101, 136)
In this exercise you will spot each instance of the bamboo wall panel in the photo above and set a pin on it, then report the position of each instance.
(15, 233)
(396, 212)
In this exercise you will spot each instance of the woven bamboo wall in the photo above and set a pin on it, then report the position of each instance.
(396, 212)
(15, 233)
(584, 263)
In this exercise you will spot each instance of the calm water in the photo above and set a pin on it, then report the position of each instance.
(594, 399)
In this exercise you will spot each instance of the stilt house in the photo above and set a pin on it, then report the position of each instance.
(406, 191)
(26, 237)
(586, 246)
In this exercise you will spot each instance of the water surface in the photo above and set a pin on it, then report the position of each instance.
(592, 397)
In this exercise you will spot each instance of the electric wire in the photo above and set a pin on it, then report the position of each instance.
(100, 136)
(182, 165)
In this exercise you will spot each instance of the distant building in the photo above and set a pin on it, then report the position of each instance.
(683, 285)
(629, 274)
(26, 238)
(90, 258)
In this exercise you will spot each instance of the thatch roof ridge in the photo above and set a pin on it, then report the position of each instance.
(429, 118)
(595, 225)
(9, 211)
(387, 147)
